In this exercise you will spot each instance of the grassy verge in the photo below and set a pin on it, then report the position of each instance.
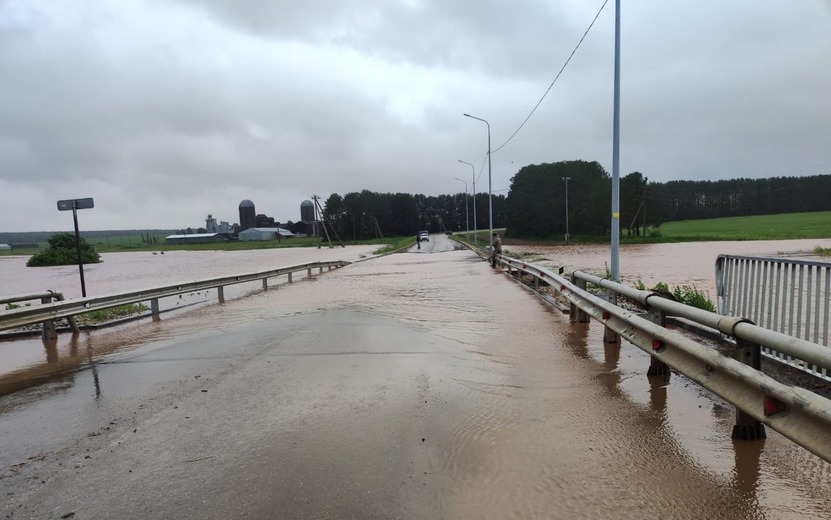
(114, 313)
(392, 244)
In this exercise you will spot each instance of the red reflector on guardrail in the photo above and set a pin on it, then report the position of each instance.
(772, 406)
(562, 287)
(606, 315)
(657, 344)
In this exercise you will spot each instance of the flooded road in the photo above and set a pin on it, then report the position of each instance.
(419, 385)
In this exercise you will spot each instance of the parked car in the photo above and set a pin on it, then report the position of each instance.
(423, 236)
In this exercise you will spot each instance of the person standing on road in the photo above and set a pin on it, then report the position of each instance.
(496, 249)
(418, 240)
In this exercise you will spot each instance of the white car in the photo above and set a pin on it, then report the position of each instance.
(423, 236)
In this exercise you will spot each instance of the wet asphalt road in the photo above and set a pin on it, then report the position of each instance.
(412, 386)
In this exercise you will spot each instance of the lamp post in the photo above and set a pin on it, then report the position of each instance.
(467, 218)
(473, 174)
(566, 179)
(616, 155)
(490, 191)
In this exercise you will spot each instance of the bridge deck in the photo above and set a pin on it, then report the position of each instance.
(409, 386)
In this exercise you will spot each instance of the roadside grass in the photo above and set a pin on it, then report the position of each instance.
(113, 313)
(391, 244)
(686, 294)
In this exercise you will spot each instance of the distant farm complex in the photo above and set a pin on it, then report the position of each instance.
(253, 226)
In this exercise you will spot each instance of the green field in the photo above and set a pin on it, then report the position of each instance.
(762, 227)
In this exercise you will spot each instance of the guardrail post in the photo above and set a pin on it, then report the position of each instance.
(265, 284)
(576, 314)
(154, 307)
(71, 319)
(747, 428)
(536, 282)
(309, 273)
(320, 271)
(49, 330)
(220, 293)
(609, 335)
(290, 278)
(656, 366)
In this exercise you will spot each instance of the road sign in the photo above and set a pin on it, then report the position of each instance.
(70, 204)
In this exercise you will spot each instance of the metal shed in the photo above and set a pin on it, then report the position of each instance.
(256, 233)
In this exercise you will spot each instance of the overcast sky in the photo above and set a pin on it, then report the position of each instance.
(166, 110)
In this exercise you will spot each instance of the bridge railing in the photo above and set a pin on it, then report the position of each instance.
(23, 316)
(796, 413)
(788, 296)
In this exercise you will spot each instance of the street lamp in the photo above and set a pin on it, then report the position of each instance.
(467, 218)
(566, 179)
(473, 174)
(490, 191)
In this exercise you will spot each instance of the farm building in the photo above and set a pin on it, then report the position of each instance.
(268, 233)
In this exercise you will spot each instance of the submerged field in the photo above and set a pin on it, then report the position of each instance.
(760, 227)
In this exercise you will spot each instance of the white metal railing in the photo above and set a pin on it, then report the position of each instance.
(15, 318)
(788, 296)
(796, 413)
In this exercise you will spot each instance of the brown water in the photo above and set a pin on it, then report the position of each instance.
(121, 272)
(690, 263)
(127, 271)
(412, 386)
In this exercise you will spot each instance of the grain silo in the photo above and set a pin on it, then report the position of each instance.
(307, 211)
(247, 215)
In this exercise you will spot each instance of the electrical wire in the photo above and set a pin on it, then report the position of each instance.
(555, 79)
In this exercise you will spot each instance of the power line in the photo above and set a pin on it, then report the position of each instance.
(555, 79)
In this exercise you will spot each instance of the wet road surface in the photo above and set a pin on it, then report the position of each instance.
(409, 386)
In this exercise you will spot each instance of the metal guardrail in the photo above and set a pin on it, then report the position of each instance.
(796, 413)
(789, 296)
(48, 330)
(23, 316)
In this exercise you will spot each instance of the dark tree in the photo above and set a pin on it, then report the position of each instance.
(536, 203)
(63, 251)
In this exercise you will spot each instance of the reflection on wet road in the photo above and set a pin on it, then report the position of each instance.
(410, 386)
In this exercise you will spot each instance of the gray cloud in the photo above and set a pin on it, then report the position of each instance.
(165, 112)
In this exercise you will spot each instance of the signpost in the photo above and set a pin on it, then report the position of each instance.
(74, 205)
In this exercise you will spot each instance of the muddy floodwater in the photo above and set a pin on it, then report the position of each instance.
(419, 385)
(689, 263)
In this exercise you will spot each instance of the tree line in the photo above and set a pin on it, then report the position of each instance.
(536, 203)
(367, 214)
(539, 193)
